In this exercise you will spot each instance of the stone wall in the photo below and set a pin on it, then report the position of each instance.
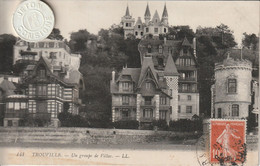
(87, 135)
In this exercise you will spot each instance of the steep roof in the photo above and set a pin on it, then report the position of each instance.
(170, 68)
(146, 66)
(165, 13)
(133, 72)
(186, 42)
(139, 22)
(127, 11)
(147, 11)
(156, 16)
(74, 77)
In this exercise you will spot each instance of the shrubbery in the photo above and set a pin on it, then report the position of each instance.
(186, 125)
(130, 124)
(69, 120)
(161, 124)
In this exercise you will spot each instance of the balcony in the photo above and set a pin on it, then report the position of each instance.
(187, 79)
(124, 118)
(147, 119)
(147, 104)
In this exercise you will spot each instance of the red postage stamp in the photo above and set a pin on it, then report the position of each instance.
(227, 141)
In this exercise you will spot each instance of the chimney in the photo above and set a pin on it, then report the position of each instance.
(164, 40)
(113, 76)
(194, 47)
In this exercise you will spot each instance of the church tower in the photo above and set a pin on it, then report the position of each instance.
(147, 15)
(171, 74)
(165, 20)
(128, 23)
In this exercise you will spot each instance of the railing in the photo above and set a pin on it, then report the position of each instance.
(148, 103)
(147, 119)
(187, 79)
(124, 118)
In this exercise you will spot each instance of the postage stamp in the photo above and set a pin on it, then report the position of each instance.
(228, 141)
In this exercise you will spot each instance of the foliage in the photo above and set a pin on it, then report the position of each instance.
(69, 120)
(186, 125)
(250, 41)
(34, 121)
(6, 52)
(55, 34)
(161, 124)
(179, 32)
(129, 124)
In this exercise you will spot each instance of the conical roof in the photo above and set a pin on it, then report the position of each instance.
(186, 42)
(127, 11)
(156, 16)
(147, 11)
(170, 68)
(165, 13)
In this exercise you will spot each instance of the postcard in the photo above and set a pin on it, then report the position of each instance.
(129, 82)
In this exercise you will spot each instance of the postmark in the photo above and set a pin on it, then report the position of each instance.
(33, 20)
(227, 141)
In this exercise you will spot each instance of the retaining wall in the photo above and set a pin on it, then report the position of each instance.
(87, 135)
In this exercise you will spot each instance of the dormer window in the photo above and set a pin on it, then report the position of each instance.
(185, 50)
(139, 26)
(41, 71)
(125, 86)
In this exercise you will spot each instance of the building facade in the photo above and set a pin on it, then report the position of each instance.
(231, 93)
(165, 87)
(154, 25)
(45, 85)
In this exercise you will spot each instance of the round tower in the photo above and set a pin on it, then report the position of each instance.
(232, 89)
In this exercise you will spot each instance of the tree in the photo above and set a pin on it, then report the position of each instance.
(179, 32)
(6, 52)
(55, 34)
(78, 40)
(250, 41)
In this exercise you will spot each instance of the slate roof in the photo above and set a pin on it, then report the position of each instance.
(170, 68)
(165, 13)
(147, 64)
(147, 11)
(127, 11)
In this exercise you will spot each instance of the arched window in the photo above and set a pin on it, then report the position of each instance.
(136, 33)
(235, 110)
(165, 30)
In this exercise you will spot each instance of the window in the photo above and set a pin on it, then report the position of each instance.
(179, 109)
(16, 106)
(136, 33)
(147, 29)
(41, 73)
(142, 33)
(179, 98)
(148, 85)
(219, 113)
(235, 110)
(10, 123)
(163, 100)
(170, 92)
(162, 114)
(165, 30)
(148, 100)
(10, 105)
(188, 109)
(42, 90)
(23, 105)
(185, 87)
(189, 97)
(125, 100)
(129, 24)
(126, 24)
(232, 85)
(156, 20)
(155, 30)
(149, 48)
(139, 26)
(148, 113)
(185, 50)
(125, 86)
(125, 113)
(160, 49)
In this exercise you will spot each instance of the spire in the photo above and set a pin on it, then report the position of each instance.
(170, 68)
(127, 11)
(165, 13)
(147, 11)
(156, 17)
(186, 42)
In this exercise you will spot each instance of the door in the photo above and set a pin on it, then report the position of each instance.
(219, 113)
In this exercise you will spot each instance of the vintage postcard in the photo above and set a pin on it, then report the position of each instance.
(129, 82)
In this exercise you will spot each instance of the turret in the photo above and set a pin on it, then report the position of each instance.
(147, 15)
(128, 23)
(165, 16)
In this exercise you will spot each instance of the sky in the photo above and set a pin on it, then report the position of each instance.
(72, 15)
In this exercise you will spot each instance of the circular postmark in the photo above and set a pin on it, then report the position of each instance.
(33, 20)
